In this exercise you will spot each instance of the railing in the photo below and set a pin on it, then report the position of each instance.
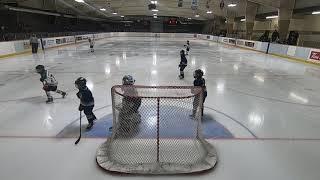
(23, 36)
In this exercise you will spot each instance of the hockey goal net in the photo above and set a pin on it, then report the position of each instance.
(156, 130)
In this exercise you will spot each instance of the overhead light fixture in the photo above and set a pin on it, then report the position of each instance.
(232, 5)
(189, 18)
(114, 13)
(316, 12)
(209, 12)
(155, 17)
(155, 14)
(154, 2)
(102, 9)
(242, 20)
(80, 1)
(122, 16)
(155, 10)
(271, 17)
(197, 15)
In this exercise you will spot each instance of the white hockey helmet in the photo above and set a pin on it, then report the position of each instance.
(128, 80)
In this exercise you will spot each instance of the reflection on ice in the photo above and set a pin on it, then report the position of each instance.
(154, 72)
(235, 67)
(256, 120)
(193, 61)
(47, 122)
(296, 97)
(220, 87)
(117, 61)
(259, 78)
(107, 69)
(154, 57)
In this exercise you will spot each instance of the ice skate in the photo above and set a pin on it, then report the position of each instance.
(193, 115)
(90, 125)
(49, 101)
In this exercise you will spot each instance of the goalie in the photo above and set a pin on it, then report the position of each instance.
(129, 108)
(199, 81)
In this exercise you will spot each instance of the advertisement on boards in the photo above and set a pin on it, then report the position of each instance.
(249, 44)
(232, 41)
(240, 42)
(314, 55)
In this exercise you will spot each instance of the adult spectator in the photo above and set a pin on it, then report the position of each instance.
(34, 43)
(265, 37)
(275, 36)
(2, 32)
(293, 38)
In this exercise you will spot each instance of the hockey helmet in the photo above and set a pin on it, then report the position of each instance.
(128, 80)
(40, 68)
(182, 52)
(198, 73)
(80, 83)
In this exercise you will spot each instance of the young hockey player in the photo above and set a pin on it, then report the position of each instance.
(133, 103)
(199, 81)
(86, 100)
(128, 109)
(49, 83)
(187, 46)
(183, 64)
(91, 42)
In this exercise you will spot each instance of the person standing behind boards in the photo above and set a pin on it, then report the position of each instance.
(34, 43)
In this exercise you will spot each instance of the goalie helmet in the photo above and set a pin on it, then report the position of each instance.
(128, 80)
(80, 83)
(182, 52)
(198, 73)
(40, 68)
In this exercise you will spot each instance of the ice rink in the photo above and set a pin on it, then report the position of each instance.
(270, 105)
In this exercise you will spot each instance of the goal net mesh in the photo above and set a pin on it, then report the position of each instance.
(156, 130)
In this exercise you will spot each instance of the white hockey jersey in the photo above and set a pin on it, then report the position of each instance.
(49, 79)
(91, 43)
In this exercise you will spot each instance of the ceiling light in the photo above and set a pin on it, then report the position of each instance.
(114, 13)
(155, 10)
(197, 15)
(232, 5)
(189, 18)
(155, 17)
(243, 20)
(271, 17)
(155, 14)
(154, 2)
(122, 16)
(102, 9)
(209, 12)
(316, 12)
(80, 1)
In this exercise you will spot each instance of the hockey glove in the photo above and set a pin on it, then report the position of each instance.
(80, 108)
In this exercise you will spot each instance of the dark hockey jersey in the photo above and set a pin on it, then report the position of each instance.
(183, 60)
(200, 82)
(85, 96)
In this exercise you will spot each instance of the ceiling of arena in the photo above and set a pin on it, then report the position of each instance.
(140, 7)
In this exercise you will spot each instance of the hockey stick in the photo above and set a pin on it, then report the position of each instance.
(78, 140)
